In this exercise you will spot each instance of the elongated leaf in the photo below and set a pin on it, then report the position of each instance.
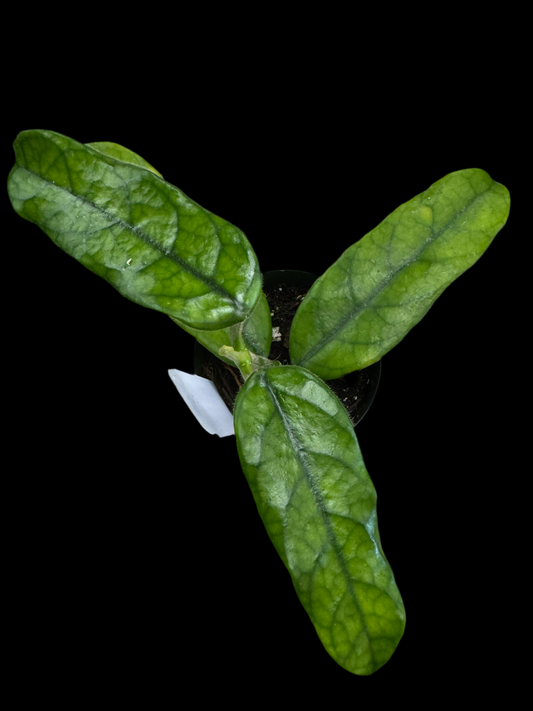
(384, 284)
(300, 455)
(143, 235)
(257, 332)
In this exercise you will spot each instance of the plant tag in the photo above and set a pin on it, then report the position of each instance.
(205, 403)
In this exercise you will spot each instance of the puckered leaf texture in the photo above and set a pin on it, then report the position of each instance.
(111, 211)
(382, 285)
(300, 455)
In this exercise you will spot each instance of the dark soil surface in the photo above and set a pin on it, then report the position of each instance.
(352, 389)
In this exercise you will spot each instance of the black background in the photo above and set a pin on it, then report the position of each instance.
(135, 548)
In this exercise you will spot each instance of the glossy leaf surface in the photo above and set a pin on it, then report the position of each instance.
(256, 331)
(381, 286)
(301, 458)
(257, 327)
(143, 235)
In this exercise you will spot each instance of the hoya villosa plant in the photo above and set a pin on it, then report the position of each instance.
(113, 212)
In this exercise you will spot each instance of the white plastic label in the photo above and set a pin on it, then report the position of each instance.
(204, 402)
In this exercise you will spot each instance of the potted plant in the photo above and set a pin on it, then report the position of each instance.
(113, 212)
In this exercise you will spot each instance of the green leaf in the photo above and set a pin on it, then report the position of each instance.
(256, 331)
(384, 284)
(299, 453)
(123, 154)
(144, 236)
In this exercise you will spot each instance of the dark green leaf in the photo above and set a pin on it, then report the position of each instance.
(300, 455)
(143, 235)
(384, 284)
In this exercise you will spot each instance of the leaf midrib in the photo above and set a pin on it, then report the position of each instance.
(137, 232)
(354, 312)
(332, 538)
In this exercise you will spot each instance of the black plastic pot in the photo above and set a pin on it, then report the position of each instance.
(356, 390)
